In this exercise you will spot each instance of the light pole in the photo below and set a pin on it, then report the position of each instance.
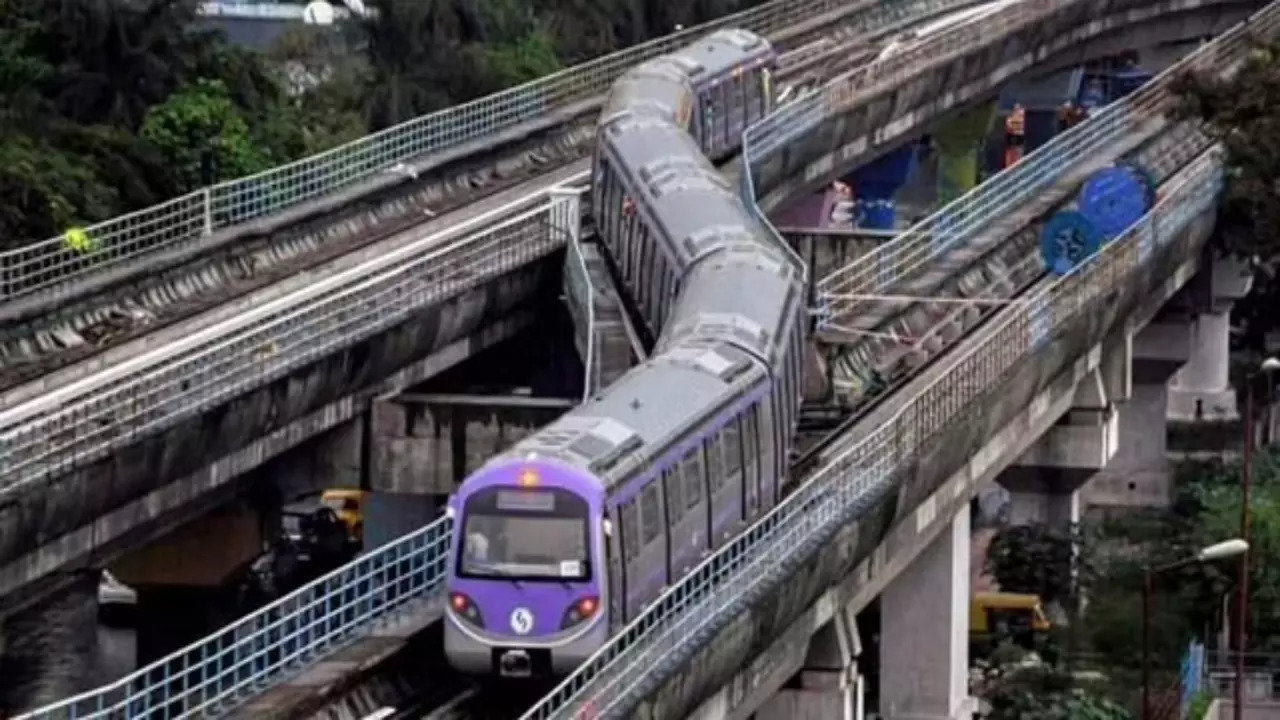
(1267, 367)
(1219, 551)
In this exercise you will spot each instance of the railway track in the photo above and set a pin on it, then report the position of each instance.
(94, 330)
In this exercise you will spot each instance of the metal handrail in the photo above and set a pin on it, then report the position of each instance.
(211, 676)
(721, 586)
(591, 373)
(74, 424)
(43, 265)
(842, 292)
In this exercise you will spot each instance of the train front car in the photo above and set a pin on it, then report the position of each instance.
(526, 570)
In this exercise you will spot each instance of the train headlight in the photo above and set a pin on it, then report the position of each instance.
(580, 611)
(465, 608)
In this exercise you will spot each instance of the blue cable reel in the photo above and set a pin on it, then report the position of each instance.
(1068, 239)
(1113, 199)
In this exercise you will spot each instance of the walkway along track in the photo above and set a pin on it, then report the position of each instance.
(91, 325)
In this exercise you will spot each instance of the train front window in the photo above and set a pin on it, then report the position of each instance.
(525, 534)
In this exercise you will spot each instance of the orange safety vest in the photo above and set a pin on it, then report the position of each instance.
(1016, 124)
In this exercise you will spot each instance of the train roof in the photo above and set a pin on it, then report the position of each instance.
(656, 87)
(638, 417)
(713, 56)
(746, 294)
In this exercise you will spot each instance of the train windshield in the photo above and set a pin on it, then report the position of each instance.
(525, 534)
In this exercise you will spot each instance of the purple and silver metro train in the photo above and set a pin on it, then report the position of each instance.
(526, 562)
(576, 530)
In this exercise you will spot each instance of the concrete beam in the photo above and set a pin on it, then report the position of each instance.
(428, 444)
(96, 533)
(1160, 349)
(828, 685)
(224, 541)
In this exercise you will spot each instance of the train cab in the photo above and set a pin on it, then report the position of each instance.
(527, 576)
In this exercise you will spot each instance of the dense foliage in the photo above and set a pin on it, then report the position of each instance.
(112, 105)
(1107, 565)
(1243, 112)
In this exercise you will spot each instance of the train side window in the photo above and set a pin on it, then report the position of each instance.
(715, 466)
(631, 530)
(675, 509)
(732, 448)
(692, 471)
(650, 523)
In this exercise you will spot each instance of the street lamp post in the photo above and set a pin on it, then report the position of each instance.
(1219, 551)
(1267, 367)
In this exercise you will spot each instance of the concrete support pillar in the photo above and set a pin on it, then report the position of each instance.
(959, 144)
(924, 648)
(1044, 485)
(52, 651)
(1059, 511)
(1138, 474)
(1201, 390)
(332, 459)
(875, 183)
(828, 687)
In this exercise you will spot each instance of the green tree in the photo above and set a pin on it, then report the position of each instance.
(1018, 691)
(203, 135)
(1212, 500)
(1039, 560)
(1243, 113)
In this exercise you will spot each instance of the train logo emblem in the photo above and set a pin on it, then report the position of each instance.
(521, 621)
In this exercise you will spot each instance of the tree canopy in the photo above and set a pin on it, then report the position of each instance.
(1243, 113)
(107, 106)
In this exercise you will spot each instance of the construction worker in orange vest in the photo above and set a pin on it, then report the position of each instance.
(1015, 134)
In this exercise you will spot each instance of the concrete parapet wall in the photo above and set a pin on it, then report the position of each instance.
(859, 543)
(72, 516)
(845, 141)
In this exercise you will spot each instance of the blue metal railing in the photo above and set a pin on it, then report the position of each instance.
(214, 675)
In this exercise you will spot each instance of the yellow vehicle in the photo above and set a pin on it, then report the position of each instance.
(349, 506)
(997, 616)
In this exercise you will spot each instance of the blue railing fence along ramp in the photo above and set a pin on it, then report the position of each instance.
(49, 265)
(213, 676)
(681, 620)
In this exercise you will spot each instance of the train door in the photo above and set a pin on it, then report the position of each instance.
(696, 498)
(731, 441)
(617, 572)
(766, 91)
(662, 279)
(610, 215)
(633, 228)
(633, 558)
(751, 488)
(764, 422)
(735, 105)
(682, 524)
(653, 533)
(726, 505)
(695, 126)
